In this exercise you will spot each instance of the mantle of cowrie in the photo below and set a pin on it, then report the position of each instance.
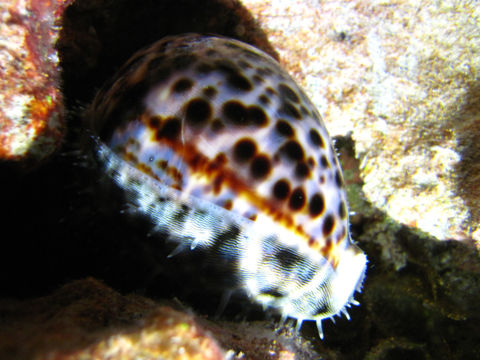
(213, 141)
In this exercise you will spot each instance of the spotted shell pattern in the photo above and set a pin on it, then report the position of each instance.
(218, 146)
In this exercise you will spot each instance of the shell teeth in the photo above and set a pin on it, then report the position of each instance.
(194, 244)
(223, 302)
(178, 249)
(298, 325)
(283, 319)
(319, 328)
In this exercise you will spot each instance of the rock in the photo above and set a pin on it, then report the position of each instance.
(403, 80)
(410, 160)
(32, 123)
(86, 319)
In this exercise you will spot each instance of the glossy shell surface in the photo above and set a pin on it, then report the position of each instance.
(216, 144)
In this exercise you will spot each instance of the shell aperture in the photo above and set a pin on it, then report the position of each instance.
(216, 144)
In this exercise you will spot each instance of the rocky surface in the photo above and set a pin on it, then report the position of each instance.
(410, 157)
(402, 78)
(32, 122)
(85, 320)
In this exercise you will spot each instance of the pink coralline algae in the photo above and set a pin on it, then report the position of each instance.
(31, 108)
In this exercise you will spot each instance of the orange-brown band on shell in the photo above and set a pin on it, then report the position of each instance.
(216, 171)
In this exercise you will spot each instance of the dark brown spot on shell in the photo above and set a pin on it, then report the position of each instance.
(154, 122)
(293, 150)
(210, 92)
(181, 62)
(297, 199)
(284, 128)
(264, 99)
(198, 112)
(302, 170)
(158, 69)
(276, 157)
(170, 129)
(270, 91)
(281, 189)
(162, 164)
(324, 162)
(244, 150)
(228, 204)
(290, 110)
(131, 158)
(304, 111)
(234, 77)
(260, 167)
(287, 92)
(235, 112)
(220, 159)
(311, 162)
(315, 138)
(328, 225)
(316, 205)
(258, 79)
(198, 161)
(256, 116)
(182, 85)
(239, 82)
(217, 183)
(328, 244)
(342, 210)
(265, 72)
(217, 125)
(204, 68)
(338, 179)
(244, 64)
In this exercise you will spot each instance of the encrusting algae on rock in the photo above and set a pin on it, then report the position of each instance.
(31, 108)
